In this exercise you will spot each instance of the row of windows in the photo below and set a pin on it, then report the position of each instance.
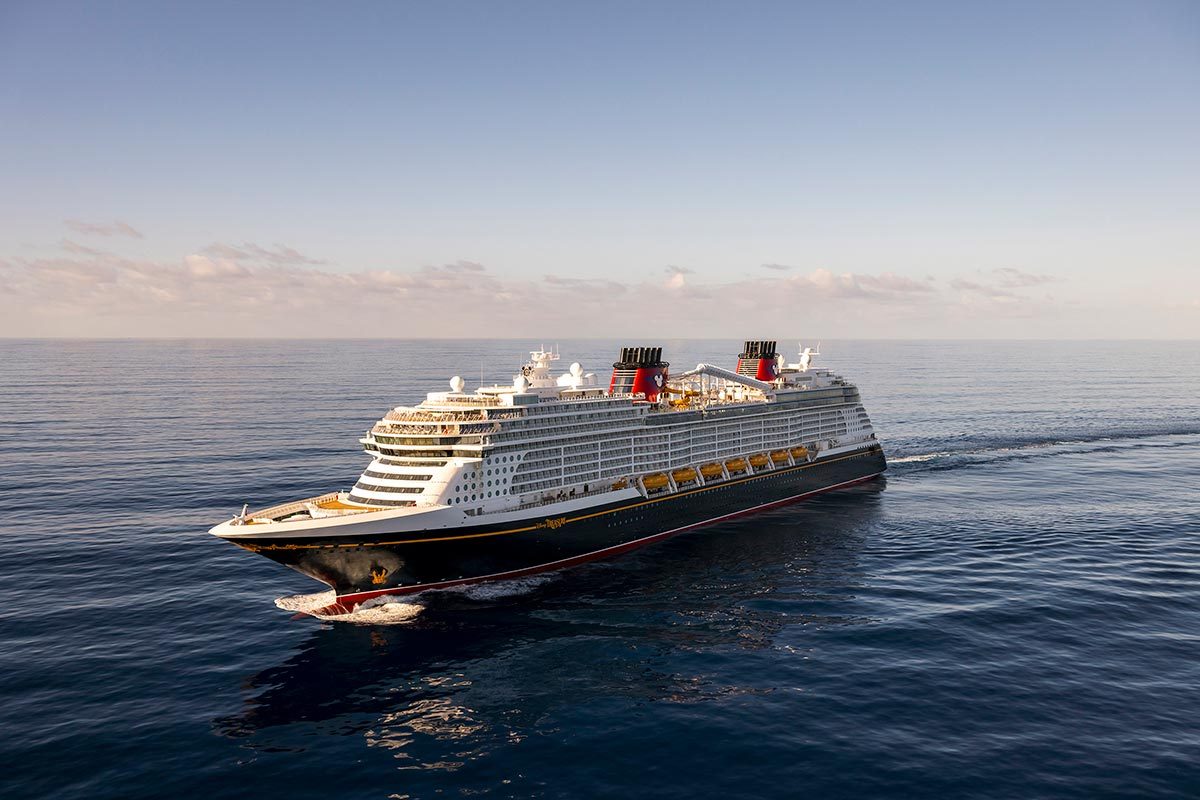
(682, 446)
(374, 487)
(558, 476)
(434, 440)
(548, 410)
(421, 415)
(480, 496)
(392, 462)
(390, 451)
(396, 476)
(375, 502)
(530, 426)
(466, 487)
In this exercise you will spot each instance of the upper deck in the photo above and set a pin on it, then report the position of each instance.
(542, 407)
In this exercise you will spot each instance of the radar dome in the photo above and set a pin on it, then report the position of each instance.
(520, 383)
(457, 384)
(576, 369)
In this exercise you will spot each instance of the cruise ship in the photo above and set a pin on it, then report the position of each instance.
(554, 470)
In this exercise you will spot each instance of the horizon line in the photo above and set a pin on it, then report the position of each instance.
(565, 338)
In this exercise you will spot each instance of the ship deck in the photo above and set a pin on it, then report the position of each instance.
(326, 502)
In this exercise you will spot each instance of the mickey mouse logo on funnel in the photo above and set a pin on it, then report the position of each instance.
(639, 370)
(758, 360)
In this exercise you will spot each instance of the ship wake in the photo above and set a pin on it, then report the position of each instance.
(954, 458)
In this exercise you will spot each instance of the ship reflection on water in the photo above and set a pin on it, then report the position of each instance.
(467, 677)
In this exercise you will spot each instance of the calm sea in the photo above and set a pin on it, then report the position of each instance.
(1013, 613)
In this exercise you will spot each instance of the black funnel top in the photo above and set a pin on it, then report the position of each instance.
(634, 357)
(758, 349)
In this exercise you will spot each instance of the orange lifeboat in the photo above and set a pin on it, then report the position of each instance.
(655, 481)
(684, 475)
(736, 465)
(800, 453)
(711, 471)
(758, 461)
(779, 457)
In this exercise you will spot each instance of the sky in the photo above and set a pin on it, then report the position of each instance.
(515, 169)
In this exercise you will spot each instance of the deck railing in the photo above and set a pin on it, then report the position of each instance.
(561, 497)
(287, 509)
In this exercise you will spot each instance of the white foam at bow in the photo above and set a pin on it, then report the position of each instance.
(385, 610)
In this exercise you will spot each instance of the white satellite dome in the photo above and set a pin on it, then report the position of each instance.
(457, 384)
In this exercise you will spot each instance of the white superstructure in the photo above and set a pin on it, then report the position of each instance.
(549, 438)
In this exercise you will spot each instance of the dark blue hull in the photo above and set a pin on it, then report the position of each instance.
(377, 564)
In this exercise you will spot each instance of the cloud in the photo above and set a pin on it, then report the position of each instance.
(464, 266)
(983, 290)
(862, 286)
(78, 249)
(676, 279)
(116, 228)
(596, 285)
(1011, 278)
(248, 251)
(204, 268)
(251, 290)
(1000, 287)
(777, 267)
(226, 281)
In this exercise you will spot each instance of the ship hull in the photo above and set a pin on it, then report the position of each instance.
(392, 564)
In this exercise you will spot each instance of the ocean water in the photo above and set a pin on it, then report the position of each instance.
(1014, 612)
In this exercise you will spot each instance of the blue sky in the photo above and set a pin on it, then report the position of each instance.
(853, 169)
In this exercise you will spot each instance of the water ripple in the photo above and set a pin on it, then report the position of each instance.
(1014, 612)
